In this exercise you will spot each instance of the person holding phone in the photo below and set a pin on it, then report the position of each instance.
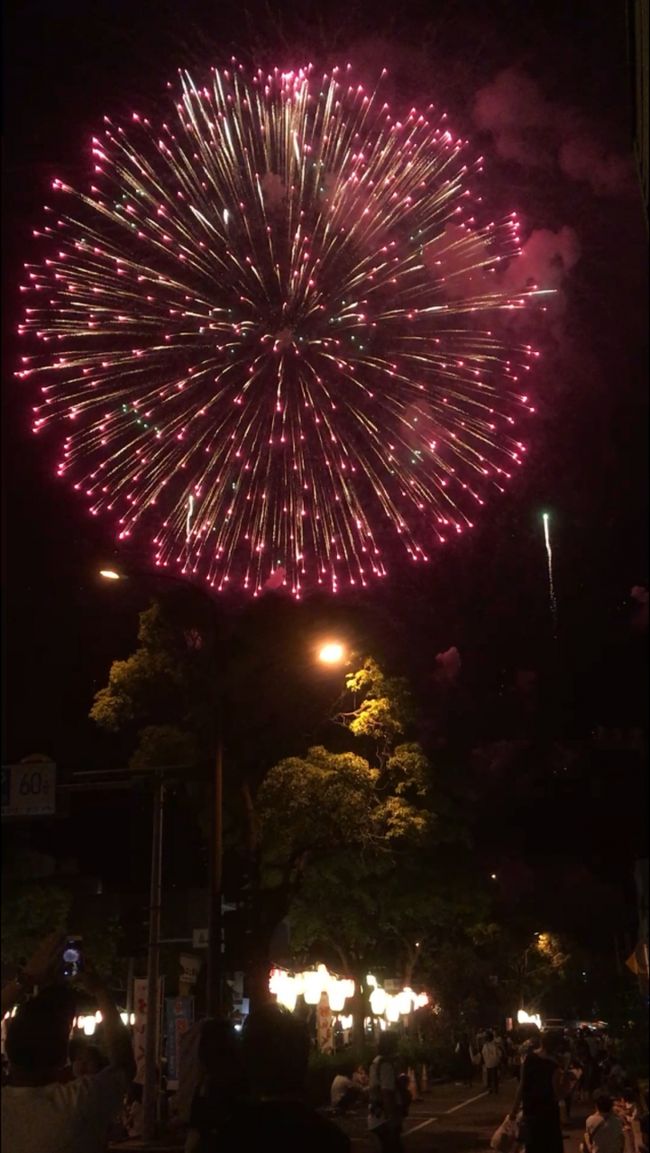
(42, 1112)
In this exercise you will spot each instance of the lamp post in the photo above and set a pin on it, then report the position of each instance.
(214, 979)
(151, 1047)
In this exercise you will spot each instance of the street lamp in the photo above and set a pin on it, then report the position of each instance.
(331, 653)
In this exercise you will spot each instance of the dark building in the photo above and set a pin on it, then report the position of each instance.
(638, 32)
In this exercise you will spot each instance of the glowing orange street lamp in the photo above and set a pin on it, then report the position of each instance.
(331, 653)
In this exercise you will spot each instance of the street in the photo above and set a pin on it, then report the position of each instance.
(455, 1119)
(448, 1119)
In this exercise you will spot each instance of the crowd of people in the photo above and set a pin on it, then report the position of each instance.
(63, 1096)
(554, 1070)
(559, 1066)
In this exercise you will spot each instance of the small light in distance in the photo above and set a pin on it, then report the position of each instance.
(331, 653)
(493, 876)
(109, 574)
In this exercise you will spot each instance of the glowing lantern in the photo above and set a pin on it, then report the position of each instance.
(338, 992)
(404, 1001)
(392, 1008)
(378, 1002)
(289, 994)
(314, 983)
(525, 1018)
(336, 995)
(285, 988)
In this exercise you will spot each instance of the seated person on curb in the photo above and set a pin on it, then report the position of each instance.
(603, 1130)
(43, 1110)
(346, 1092)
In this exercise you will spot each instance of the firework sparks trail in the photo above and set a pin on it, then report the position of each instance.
(549, 562)
(268, 332)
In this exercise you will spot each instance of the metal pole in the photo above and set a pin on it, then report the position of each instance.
(129, 986)
(150, 1087)
(215, 918)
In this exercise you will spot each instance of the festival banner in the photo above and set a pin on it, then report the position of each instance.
(179, 1017)
(140, 1024)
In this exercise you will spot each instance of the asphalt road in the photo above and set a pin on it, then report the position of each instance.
(447, 1119)
(455, 1119)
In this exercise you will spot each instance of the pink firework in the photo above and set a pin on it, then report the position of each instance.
(272, 333)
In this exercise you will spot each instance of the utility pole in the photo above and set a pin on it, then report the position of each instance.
(150, 1087)
(215, 911)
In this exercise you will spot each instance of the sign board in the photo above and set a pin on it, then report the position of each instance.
(29, 789)
(324, 1025)
(200, 939)
(190, 967)
(179, 1017)
(140, 1006)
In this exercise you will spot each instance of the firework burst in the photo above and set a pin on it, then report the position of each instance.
(271, 332)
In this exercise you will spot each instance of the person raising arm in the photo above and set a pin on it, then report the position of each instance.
(43, 1111)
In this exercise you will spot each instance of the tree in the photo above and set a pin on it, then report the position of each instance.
(333, 828)
(30, 911)
(253, 678)
(163, 694)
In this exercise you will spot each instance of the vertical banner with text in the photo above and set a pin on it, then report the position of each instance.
(140, 1012)
(179, 1017)
(324, 1025)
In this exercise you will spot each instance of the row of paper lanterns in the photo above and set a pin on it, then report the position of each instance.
(312, 983)
(88, 1022)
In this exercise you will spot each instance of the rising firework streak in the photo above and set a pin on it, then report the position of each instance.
(549, 561)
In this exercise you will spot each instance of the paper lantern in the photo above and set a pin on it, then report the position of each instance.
(378, 1002)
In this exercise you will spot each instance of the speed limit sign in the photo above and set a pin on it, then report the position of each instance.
(29, 789)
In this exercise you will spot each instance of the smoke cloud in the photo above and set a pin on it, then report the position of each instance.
(545, 263)
(448, 666)
(537, 133)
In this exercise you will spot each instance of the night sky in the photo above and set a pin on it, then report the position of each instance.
(563, 161)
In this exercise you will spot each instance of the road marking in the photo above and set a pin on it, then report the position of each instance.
(432, 1120)
(468, 1102)
(422, 1125)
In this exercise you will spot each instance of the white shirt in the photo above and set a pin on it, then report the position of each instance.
(605, 1133)
(491, 1054)
(340, 1086)
(62, 1118)
(382, 1077)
